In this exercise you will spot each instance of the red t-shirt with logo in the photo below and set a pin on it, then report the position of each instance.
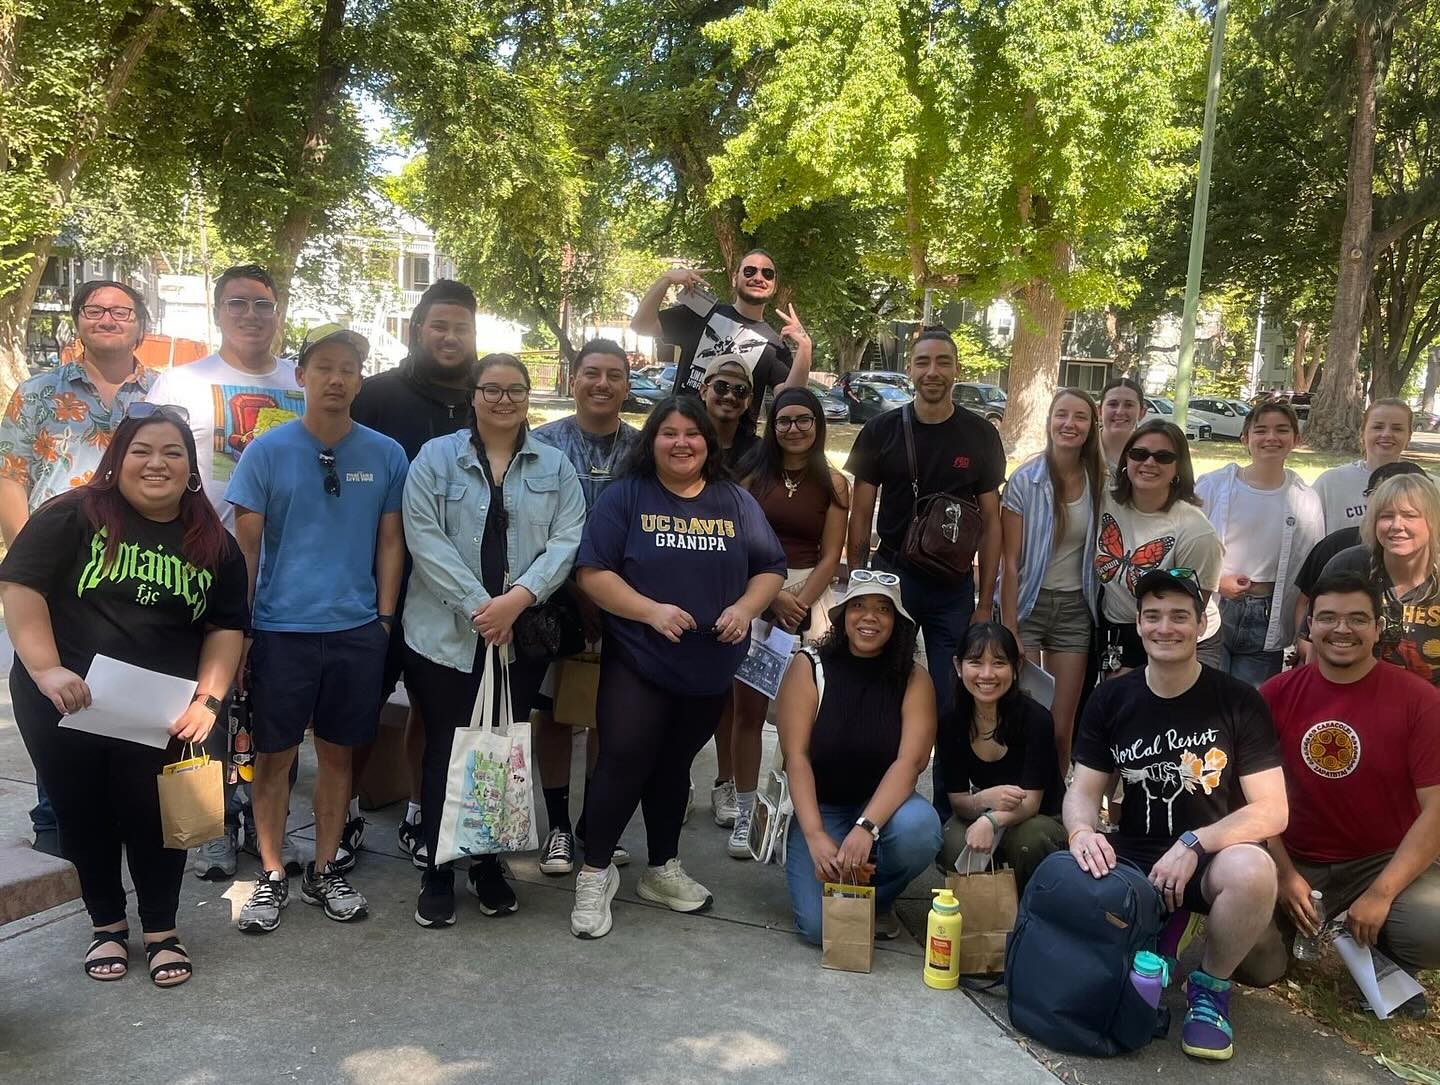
(1354, 756)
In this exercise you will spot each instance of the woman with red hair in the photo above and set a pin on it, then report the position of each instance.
(134, 565)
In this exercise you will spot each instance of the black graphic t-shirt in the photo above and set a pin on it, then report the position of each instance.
(1181, 758)
(147, 606)
(1411, 637)
(725, 331)
(961, 456)
(697, 553)
(1029, 760)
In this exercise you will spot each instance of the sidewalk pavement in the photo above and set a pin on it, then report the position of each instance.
(729, 996)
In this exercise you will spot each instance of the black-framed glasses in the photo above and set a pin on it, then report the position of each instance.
(123, 313)
(493, 393)
(332, 478)
(725, 388)
(802, 422)
(749, 271)
(1159, 455)
(240, 306)
(172, 411)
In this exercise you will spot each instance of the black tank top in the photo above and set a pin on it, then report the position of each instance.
(856, 736)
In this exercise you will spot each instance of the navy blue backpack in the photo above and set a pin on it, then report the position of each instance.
(1068, 960)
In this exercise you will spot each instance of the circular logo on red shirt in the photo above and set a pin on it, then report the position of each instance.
(1331, 749)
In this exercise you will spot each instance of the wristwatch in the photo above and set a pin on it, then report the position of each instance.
(1191, 841)
(208, 701)
(869, 826)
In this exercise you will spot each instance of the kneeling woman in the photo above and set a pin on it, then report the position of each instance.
(857, 721)
(136, 566)
(997, 749)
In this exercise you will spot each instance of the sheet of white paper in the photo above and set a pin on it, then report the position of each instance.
(1382, 982)
(978, 862)
(1038, 684)
(698, 299)
(764, 666)
(132, 703)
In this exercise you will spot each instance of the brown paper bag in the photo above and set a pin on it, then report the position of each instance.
(988, 905)
(576, 688)
(192, 802)
(847, 927)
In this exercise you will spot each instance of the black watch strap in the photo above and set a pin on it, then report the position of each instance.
(208, 701)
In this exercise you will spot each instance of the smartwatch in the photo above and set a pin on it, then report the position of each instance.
(869, 826)
(208, 701)
(1191, 841)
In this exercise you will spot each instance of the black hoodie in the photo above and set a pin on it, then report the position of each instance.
(406, 406)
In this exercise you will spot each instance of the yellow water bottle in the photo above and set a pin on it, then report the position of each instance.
(942, 941)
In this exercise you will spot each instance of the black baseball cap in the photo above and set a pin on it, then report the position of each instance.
(1161, 580)
(1390, 470)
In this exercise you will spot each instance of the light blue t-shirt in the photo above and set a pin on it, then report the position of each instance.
(317, 562)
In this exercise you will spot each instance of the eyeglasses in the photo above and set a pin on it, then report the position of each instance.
(1162, 456)
(749, 271)
(123, 313)
(803, 422)
(332, 480)
(870, 576)
(725, 388)
(493, 393)
(240, 306)
(158, 410)
(1327, 620)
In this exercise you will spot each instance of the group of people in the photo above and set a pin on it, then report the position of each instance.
(300, 537)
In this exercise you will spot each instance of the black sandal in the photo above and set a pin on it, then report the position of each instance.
(172, 944)
(121, 939)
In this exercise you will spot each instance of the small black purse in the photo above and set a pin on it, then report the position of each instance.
(549, 630)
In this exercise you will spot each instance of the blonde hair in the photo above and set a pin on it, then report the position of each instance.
(1418, 491)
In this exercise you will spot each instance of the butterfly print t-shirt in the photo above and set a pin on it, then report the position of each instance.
(1130, 543)
(1181, 758)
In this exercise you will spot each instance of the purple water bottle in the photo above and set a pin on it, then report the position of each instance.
(1148, 976)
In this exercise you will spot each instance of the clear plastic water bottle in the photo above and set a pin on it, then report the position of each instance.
(1308, 947)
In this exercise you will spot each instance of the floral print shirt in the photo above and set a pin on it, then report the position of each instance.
(56, 428)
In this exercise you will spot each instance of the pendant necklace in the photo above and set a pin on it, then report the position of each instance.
(792, 486)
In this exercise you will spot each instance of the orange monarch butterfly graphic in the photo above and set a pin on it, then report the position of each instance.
(1113, 556)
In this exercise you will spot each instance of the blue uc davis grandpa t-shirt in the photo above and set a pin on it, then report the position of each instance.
(697, 553)
(317, 562)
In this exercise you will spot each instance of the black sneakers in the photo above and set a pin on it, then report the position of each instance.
(349, 847)
(487, 882)
(436, 906)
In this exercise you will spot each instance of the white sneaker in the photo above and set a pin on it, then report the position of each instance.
(671, 886)
(724, 804)
(739, 845)
(590, 918)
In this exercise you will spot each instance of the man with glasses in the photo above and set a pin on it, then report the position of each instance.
(1204, 790)
(704, 329)
(233, 396)
(1361, 744)
(58, 424)
(317, 513)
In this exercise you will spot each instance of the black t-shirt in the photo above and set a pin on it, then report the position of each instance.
(1411, 637)
(961, 456)
(1029, 759)
(1320, 554)
(744, 444)
(725, 331)
(1181, 758)
(856, 736)
(148, 606)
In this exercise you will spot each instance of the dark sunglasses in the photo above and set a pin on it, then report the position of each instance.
(332, 480)
(1161, 456)
(749, 271)
(1180, 572)
(158, 410)
(725, 388)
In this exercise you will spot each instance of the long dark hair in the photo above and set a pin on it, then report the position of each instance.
(1092, 460)
(641, 461)
(1184, 487)
(979, 638)
(105, 506)
(764, 464)
(897, 659)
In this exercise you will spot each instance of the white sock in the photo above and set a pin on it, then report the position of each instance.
(412, 813)
(354, 809)
(745, 800)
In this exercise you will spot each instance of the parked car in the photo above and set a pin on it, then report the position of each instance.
(866, 399)
(1155, 407)
(987, 400)
(644, 394)
(1225, 416)
(874, 376)
(1427, 422)
(835, 407)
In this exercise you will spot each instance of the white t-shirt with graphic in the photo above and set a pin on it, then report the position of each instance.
(1342, 494)
(228, 408)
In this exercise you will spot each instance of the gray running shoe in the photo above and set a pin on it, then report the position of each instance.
(331, 891)
(216, 858)
(261, 913)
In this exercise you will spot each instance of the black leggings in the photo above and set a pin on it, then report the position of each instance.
(104, 794)
(648, 738)
(446, 699)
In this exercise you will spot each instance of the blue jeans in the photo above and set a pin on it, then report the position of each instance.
(909, 842)
(1243, 625)
(42, 814)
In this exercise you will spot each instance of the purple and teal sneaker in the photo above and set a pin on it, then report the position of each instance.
(1207, 1033)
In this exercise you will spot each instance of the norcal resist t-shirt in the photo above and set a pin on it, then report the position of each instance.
(228, 408)
(697, 553)
(1354, 756)
(1181, 758)
(317, 566)
(725, 331)
(147, 606)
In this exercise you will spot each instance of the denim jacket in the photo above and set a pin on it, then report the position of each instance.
(447, 498)
(1029, 494)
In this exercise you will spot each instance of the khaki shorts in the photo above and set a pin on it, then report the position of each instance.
(1059, 622)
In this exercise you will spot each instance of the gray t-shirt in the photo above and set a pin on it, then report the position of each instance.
(597, 459)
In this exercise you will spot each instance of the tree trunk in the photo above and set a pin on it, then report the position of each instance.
(849, 350)
(1299, 379)
(1335, 413)
(1432, 372)
(1034, 365)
